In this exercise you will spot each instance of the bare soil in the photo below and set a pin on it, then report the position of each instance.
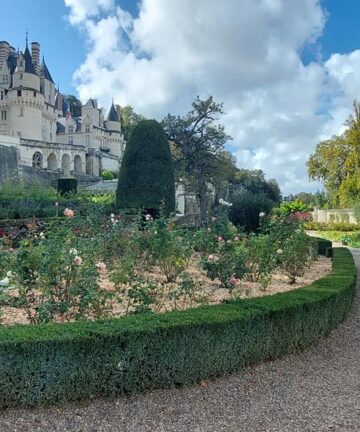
(206, 291)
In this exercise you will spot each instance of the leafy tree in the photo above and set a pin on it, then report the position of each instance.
(198, 140)
(317, 199)
(336, 163)
(75, 105)
(129, 119)
(247, 207)
(254, 181)
(146, 177)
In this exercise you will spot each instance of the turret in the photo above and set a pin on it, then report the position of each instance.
(113, 122)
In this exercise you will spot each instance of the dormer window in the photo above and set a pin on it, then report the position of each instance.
(71, 129)
(21, 63)
(87, 128)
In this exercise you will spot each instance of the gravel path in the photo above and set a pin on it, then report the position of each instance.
(317, 390)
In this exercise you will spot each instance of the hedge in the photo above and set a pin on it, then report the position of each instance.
(51, 363)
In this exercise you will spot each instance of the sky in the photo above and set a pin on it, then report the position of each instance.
(287, 71)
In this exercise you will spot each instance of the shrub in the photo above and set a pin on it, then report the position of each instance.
(246, 208)
(107, 175)
(331, 226)
(50, 363)
(146, 177)
(67, 185)
(287, 208)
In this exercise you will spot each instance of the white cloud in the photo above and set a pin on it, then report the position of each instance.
(244, 52)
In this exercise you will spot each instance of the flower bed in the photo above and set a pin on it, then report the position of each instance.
(50, 363)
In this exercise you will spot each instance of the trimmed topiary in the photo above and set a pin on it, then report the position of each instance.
(146, 176)
(67, 185)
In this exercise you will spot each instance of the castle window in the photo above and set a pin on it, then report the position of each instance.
(34, 94)
(19, 92)
(2, 95)
(71, 129)
(87, 128)
(21, 76)
(87, 140)
(5, 79)
(21, 63)
(71, 140)
(21, 112)
(3, 115)
(37, 160)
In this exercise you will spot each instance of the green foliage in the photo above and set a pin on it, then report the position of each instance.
(296, 255)
(129, 120)
(317, 199)
(49, 363)
(331, 226)
(260, 258)
(198, 141)
(107, 175)
(246, 209)
(146, 176)
(336, 163)
(287, 208)
(67, 186)
(254, 181)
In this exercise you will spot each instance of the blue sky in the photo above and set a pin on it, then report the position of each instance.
(287, 71)
(63, 45)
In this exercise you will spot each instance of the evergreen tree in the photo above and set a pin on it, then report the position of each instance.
(146, 176)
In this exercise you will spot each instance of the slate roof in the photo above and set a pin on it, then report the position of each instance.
(46, 72)
(29, 66)
(113, 115)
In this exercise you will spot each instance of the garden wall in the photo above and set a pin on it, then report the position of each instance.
(57, 362)
(343, 215)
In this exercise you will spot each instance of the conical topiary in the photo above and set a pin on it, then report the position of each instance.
(146, 178)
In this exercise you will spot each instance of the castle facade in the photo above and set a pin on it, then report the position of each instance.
(35, 117)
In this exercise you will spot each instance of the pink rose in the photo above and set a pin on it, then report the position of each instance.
(237, 238)
(219, 239)
(233, 281)
(78, 260)
(101, 266)
(148, 217)
(68, 213)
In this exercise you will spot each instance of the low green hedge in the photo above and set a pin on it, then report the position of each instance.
(57, 362)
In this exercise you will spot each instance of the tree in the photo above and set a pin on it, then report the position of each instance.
(254, 181)
(129, 119)
(75, 105)
(336, 163)
(146, 177)
(198, 140)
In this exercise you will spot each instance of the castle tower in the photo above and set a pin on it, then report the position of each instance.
(113, 122)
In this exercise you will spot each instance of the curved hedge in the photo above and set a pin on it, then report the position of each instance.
(57, 362)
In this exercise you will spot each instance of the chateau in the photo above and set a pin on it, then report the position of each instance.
(35, 119)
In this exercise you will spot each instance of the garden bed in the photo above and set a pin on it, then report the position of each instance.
(208, 292)
(51, 363)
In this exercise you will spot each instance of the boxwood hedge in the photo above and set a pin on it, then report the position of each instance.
(57, 362)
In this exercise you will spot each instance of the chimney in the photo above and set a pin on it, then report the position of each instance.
(35, 54)
(4, 52)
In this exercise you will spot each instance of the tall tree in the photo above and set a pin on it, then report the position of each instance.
(146, 178)
(336, 163)
(129, 119)
(198, 140)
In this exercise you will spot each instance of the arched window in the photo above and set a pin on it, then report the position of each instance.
(52, 162)
(77, 164)
(66, 165)
(37, 160)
